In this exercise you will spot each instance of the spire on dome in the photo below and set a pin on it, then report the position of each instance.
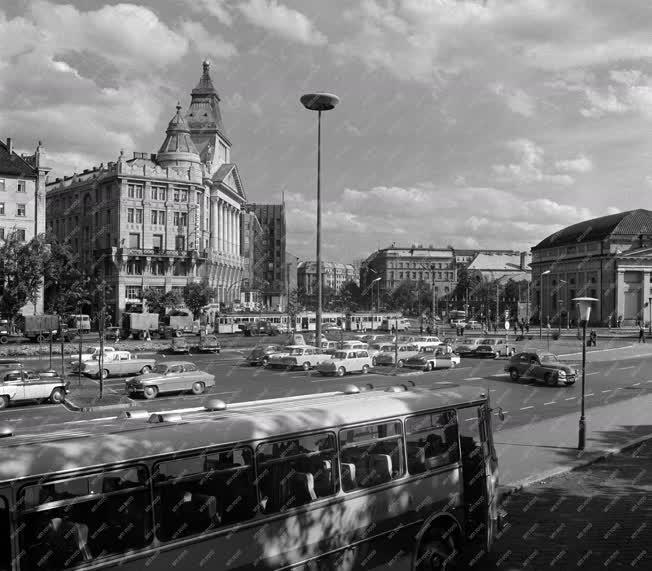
(178, 145)
(205, 86)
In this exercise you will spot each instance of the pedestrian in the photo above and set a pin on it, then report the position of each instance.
(641, 334)
(593, 337)
(619, 322)
(421, 329)
(527, 327)
(428, 330)
(462, 331)
(522, 327)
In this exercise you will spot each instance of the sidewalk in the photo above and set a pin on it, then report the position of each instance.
(85, 397)
(597, 517)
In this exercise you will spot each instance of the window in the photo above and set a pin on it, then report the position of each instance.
(134, 292)
(158, 192)
(179, 268)
(180, 242)
(20, 234)
(197, 494)
(371, 455)
(21, 186)
(2, 233)
(297, 471)
(177, 193)
(130, 214)
(154, 216)
(157, 241)
(431, 441)
(181, 219)
(134, 240)
(72, 521)
(134, 190)
(139, 215)
(158, 268)
(134, 267)
(2, 208)
(20, 210)
(2, 184)
(184, 195)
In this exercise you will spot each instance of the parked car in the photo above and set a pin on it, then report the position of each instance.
(274, 359)
(89, 354)
(260, 328)
(67, 333)
(480, 352)
(375, 338)
(330, 347)
(344, 362)
(541, 366)
(173, 376)
(180, 345)
(209, 343)
(260, 354)
(19, 384)
(376, 349)
(353, 345)
(332, 327)
(473, 324)
(312, 337)
(404, 353)
(112, 334)
(305, 357)
(458, 323)
(501, 346)
(118, 364)
(430, 357)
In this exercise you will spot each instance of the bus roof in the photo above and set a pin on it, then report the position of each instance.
(42, 450)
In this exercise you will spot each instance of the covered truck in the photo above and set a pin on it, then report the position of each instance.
(137, 325)
(40, 327)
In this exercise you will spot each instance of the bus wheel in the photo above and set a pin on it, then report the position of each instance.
(198, 388)
(437, 552)
(150, 392)
(57, 396)
(4, 401)
(142, 335)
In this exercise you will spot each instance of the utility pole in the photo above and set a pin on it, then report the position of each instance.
(101, 355)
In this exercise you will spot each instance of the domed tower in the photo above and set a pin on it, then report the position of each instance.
(178, 150)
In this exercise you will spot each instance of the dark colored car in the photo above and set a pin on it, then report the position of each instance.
(180, 345)
(480, 352)
(541, 366)
(260, 354)
(68, 333)
(209, 343)
(260, 328)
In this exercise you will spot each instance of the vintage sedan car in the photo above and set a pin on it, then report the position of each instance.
(344, 362)
(118, 364)
(353, 345)
(541, 366)
(376, 349)
(112, 334)
(430, 358)
(329, 347)
(89, 354)
(260, 354)
(405, 351)
(480, 352)
(19, 384)
(501, 346)
(169, 377)
(283, 352)
(473, 324)
(304, 357)
(209, 343)
(180, 345)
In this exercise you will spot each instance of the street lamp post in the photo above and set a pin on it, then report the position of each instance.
(319, 102)
(584, 306)
(649, 304)
(541, 302)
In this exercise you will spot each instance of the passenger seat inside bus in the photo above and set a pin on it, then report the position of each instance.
(348, 476)
(68, 540)
(303, 488)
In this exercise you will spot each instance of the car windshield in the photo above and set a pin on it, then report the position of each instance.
(427, 349)
(387, 348)
(339, 355)
(89, 351)
(161, 369)
(296, 351)
(549, 358)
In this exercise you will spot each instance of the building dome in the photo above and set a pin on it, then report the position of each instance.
(178, 148)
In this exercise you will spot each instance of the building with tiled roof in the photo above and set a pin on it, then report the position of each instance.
(22, 199)
(160, 220)
(501, 266)
(608, 258)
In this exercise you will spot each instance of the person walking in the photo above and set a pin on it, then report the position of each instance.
(619, 322)
(593, 337)
(527, 327)
(641, 334)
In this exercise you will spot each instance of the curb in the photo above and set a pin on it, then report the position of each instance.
(510, 489)
(71, 406)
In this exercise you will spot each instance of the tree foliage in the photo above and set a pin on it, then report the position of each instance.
(159, 302)
(64, 281)
(351, 296)
(196, 295)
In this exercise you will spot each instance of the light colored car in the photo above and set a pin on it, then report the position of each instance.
(376, 349)
(353, 345)
(89, 354)
(404, 353)
(209, 343)
(118, 364)
(375, 338)
(304, 357)
(277, 355)
(18, 384)
(180, 345)
(169, 377)
(501, 346)
(329, 347)
(458, 323)
(344, 362)
(473, 324)
(429, 358)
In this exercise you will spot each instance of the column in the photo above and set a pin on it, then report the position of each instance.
(237, 232)
(620, 293)
(213, 223)
(221, 228)
(645, 296)
(231, 229)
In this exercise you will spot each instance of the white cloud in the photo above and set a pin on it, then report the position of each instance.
(581, 164)
(216, 8)
(516, 100)
(207, 43)
(602, 104)
(530, 167)
(281, 20)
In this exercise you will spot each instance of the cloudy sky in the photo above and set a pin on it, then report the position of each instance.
(466, 122)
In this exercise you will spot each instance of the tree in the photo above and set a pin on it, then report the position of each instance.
(351, 296)
(159, 301)
(21, 268)
(64, 281)
(197, 295)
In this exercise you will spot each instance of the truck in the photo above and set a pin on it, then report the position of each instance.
(40, 327)
(5, 331)
(175, 325)
(139, 324)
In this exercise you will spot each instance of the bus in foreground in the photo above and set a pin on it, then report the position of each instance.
(364, 479)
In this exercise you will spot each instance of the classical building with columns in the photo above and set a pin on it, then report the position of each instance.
(159, 220)
(608, 258)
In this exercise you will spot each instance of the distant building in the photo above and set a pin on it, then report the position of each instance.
(335, 275)
(608, 258)
(160, 220)
(22, 199)
(252, 250)
(500, 267)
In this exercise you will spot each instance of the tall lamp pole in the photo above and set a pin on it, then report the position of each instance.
(584, 306)
(541, 302)
(319, 102)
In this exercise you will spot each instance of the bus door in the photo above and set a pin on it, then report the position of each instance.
(476, 451)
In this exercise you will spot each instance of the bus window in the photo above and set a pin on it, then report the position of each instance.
(196, 494)
(431, 441)
(296, 472)
(68, 522)
(5, 535)
(371, 455)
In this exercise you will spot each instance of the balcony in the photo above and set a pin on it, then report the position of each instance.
(152, 252)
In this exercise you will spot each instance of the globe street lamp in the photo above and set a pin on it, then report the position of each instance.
(541, 301)
(584, 306)
(319, 102)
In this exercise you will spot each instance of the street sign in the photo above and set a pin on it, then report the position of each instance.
(506, 324)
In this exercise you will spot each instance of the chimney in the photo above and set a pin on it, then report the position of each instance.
(523, 260)
(10, 145)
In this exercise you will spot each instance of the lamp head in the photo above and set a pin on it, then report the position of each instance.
(319, 101)
(584, 305)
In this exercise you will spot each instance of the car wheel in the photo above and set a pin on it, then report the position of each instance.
(198, 388)
(365, 369)
(437, 551)
(550, 380)
(104, 374)
(306, 366)
(146, 369)
(57, 396)
(4, 401)
(178, 333)
(400, 363)
(4, 340)
(264, 362)
(453, 364)
(373, 361)
(429, 366)
(341, 371)
(570, 383)
(513, 374)
(42, 337)
(150, 392)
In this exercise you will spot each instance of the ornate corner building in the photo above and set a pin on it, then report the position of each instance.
(159, 220)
